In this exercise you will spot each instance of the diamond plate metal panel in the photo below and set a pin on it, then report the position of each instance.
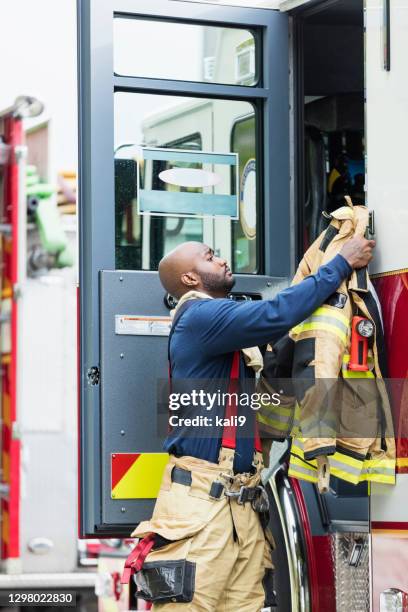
(352, 574)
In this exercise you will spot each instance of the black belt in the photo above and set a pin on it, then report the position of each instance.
(245, 494)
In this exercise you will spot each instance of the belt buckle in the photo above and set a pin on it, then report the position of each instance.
(260, 503)
(240, 499)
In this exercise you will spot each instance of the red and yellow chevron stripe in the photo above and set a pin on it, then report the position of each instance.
(137, 475)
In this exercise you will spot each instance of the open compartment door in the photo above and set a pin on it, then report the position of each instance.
(218, 103)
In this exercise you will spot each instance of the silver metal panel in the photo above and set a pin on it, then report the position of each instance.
(352, 582)
(130, 368)
(48, 423)
(48, 581)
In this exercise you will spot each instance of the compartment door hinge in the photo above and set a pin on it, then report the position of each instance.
(94, 376)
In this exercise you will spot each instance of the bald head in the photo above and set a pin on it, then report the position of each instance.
(193, 265)
(178, 262)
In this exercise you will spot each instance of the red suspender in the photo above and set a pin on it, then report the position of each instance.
(229, 435)
(136, 559)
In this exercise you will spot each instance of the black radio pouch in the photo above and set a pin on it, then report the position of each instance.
(166, 581)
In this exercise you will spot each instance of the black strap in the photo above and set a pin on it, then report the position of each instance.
(330, 233)
(361, 275)
(372, 308)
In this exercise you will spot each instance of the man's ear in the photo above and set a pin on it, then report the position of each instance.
(189, 279)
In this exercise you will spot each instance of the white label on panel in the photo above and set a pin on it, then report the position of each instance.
(141, 325)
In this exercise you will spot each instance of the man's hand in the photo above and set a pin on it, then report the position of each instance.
(358, 251)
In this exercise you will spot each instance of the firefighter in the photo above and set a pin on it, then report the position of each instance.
(206, 542)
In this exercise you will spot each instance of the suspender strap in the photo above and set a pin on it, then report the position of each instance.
(330, 233)
(229, 435)
(137, 557)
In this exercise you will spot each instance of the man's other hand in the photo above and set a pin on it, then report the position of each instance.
(358, 251)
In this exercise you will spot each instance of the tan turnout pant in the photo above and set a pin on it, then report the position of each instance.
(222, 538)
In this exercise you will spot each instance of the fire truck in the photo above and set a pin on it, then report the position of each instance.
(276, 101)
(40, 549)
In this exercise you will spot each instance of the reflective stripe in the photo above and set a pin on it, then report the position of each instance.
(380, 478)
(335, 314)
(352, 374)
(317, 426)
(282, 418)
(346, 373)
(331, 321)
(342, 466)
(278, 417)
(283, 427)
(295, 474)
(344, 475)
(297, 470)
(345, 465)
(379, 470)
(297, 446)
(326, 319)
(283, 410)
(329, 327)
(330, 316)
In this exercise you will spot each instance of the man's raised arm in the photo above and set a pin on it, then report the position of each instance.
(225, 326)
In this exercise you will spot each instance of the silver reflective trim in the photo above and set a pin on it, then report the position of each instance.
(378, 470)
(344, 466)
(303, 470)
(292, 530)
(330, 321)
(270, 415)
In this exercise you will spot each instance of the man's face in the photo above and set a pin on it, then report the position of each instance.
(215, 275)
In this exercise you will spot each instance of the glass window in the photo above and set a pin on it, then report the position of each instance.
(244, 255)
(166, 50)
(145, 122)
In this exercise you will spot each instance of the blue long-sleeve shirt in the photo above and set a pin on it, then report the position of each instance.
(209, 331)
